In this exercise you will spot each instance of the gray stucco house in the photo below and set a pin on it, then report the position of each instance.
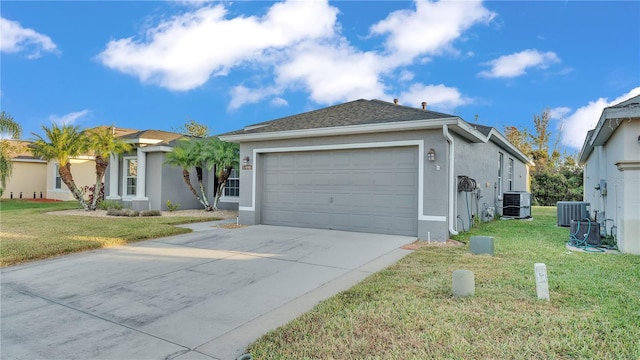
(375, 166)
(142, 180)
(611, 158)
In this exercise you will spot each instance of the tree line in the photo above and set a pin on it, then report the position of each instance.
(556, 176)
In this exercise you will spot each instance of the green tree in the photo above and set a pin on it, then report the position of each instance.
(193, 128)
(185, 156)
(61, 144)
(102, 142)
(556, 176)
(226, 157)
(540, 140)
(13, 130)
(519, 138)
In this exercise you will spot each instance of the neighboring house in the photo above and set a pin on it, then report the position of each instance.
(142, 180)
(611, 159)
(32, 175)
(375, 166)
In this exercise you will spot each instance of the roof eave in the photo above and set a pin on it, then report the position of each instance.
(344, 130)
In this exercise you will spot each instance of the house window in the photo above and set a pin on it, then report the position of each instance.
(131, 175)
(500, 171)
(233, 184)
(58, 179)
(510, 174)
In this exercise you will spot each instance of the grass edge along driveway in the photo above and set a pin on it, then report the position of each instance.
(407, 311)
(27, 233)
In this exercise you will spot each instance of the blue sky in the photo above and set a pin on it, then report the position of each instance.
(155, 64)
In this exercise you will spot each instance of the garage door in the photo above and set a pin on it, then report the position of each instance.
(367, 190)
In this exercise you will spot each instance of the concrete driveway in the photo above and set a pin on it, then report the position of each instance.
(203, 295)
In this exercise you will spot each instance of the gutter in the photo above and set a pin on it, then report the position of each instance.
(445, 131)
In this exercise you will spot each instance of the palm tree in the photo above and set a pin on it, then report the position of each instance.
(103, 143)
(183, 156)
(13, 130)
(64, 143)
(226, 156)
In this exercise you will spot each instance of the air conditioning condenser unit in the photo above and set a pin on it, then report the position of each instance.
(516, 204)
(572, 210)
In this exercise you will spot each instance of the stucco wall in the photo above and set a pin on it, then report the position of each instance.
(481, 162)
(621, 203)
(83, 172)
(27, 177)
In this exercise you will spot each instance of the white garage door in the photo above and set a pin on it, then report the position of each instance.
(367, 190)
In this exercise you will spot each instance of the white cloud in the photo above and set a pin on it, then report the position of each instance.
(241, 95)
(278, 102)
(406, 75)
(513, 65)
(68, 119)
(431, 28)
(559, 112)
(14, 38)
(185, 51)
(438, 97)
(585, 118)
(296, 44)
(333, 73)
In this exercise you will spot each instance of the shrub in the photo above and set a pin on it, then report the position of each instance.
(150, 213)
(122, 212)
(172, 207)
(110, 204)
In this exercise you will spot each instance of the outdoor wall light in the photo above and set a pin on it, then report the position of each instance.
(431, 155)
(245, 160)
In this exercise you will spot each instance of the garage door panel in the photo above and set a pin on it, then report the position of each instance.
(369, 190)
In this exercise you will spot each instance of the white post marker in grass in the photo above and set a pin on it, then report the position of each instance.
(542, 284)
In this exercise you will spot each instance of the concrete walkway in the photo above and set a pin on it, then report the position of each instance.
(203, 295)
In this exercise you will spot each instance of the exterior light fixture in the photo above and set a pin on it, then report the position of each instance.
(245, 160)
(431, 155)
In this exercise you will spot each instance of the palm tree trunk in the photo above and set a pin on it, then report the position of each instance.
(101, 168)
(205, 200)
(67, 178)
(222, 183)
(187, 179)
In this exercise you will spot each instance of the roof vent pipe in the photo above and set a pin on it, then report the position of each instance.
(424, 105)
(395, 101)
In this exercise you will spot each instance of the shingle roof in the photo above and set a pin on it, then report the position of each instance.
(357, 112)
(165, 136)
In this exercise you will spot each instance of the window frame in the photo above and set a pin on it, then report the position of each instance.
(511, 164)
(126, 176)
(500, 172)
(235, 177)
(57, 179)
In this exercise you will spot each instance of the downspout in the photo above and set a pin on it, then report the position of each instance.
(445, 131)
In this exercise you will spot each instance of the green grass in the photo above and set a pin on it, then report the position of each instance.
(407, 311)
(28, 234)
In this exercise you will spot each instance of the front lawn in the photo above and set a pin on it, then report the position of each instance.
(28, 234)
(407, 311)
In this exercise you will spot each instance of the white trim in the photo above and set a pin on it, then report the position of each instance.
(124, 176)
(230, 199)
(371, 145)
(38, 161)
(159, 148)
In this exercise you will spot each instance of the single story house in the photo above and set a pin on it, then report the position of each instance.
(142, 180)
(33, 175)
(376, 166)
(611, 158)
